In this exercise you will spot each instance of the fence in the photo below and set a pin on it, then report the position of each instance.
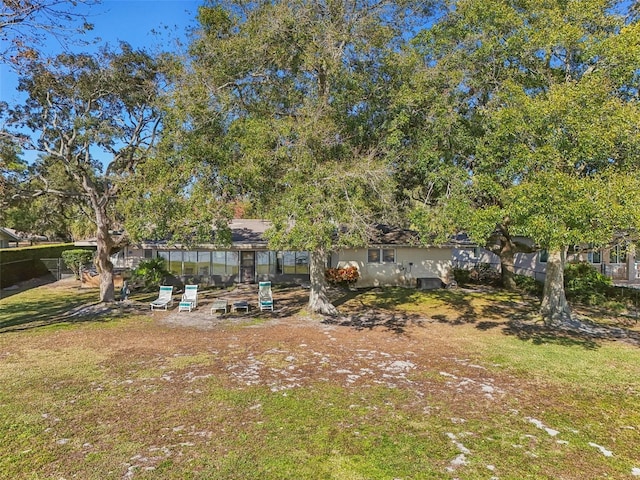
(57, 268)
(615, 271)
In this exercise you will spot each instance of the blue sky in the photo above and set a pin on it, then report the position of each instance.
(132, 21)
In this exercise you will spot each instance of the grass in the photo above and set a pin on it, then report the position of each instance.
(457, 393)
(42, 307)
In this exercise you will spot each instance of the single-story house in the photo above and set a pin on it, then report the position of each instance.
(8, 237)
(247, 260)
(394, 258)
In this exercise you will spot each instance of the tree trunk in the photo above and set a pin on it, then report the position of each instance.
(507, 250)
(503, 245)
(103, 262)
(318, 298)
(555, 310)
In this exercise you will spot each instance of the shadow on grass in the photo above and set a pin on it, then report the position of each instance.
(587, 337)
(33, 312)
(512, 313)
(427, 301)
(288, 301)
(392, 321)
(26, 285)
(366, 309)
(540, 334)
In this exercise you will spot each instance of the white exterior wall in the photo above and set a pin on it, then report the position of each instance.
(411, 263)
(128, 257)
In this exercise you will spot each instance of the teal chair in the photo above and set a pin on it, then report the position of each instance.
(165, 298)
(189, 298)
(265, 296)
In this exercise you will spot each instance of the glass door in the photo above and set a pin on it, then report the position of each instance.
(247, 267)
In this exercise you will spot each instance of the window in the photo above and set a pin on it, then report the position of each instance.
(165, 256)
(175, 262)
(224, 263)
(543, 256)
(204, 263)
(219, 263)
(594, 256)
(388, 255)
(381, 255)
(265, 263)
(618, 254)
(190, 260)
(290, 263)
(148, 253)
(302, 262)
(233, 263)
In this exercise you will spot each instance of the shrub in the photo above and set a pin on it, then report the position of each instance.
(585, 284)
(461, 275)
(150, 273)
(485, 274)
(342, 276)
(528, 284)
(76, 259)
(481, 273)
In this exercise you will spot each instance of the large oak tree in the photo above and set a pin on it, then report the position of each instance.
(301, 92)
(94, 119)
(505, 98)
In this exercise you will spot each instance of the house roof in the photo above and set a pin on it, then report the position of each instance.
(382, 234)
(248, 231)
(247, 234)
(9, 234)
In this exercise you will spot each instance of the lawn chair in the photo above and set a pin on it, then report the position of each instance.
(265, 297)
(189, 299)
(165, 298)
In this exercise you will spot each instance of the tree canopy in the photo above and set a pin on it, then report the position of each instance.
(25, 24)
(297, 94)
(501, 118)
(523, 108)
(94, 119)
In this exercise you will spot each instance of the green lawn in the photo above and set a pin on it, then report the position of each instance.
(453, 390)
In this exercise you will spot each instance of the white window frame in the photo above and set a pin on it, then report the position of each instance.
(381, 255)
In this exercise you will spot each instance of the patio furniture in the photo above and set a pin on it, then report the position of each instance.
(265, 296)
(189, 299)
(219, 304)
(165, 298)
(240, 305)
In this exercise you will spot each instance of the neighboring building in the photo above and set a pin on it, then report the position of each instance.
(620, 262)
(8, 238)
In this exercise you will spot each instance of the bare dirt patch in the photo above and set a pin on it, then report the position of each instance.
(169, 389)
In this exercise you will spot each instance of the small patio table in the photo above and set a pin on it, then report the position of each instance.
(241, 305)
(219, 305)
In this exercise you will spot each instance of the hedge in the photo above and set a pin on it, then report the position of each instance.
(23, 263)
